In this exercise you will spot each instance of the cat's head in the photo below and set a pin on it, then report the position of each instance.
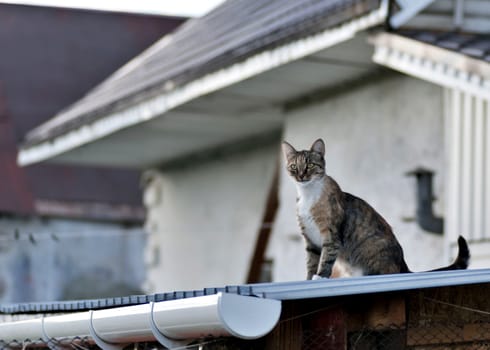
(306, 165)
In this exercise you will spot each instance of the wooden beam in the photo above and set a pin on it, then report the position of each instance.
(265, 230)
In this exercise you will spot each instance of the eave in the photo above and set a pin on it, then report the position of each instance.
(156, 122)
(432, 63)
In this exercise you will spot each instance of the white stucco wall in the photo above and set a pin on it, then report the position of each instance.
(203, 220)
(56, 259)
(374, 133)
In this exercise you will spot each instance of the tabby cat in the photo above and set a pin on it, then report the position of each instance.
(344, 235)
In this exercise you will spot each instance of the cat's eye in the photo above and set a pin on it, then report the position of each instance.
(310, 165)
(293, 166)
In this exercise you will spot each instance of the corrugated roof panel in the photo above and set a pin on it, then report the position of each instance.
(370, 284)
(279, 290)
(231, 33)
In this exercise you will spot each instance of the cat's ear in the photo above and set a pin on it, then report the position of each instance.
(319, 147)
(288, 150)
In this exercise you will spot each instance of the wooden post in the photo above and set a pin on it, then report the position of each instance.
(265, 230)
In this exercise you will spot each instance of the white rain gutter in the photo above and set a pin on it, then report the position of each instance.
(156, 106)
(432, 63)
(172, 323)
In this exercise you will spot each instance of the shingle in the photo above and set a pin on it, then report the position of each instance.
(455, 41)
(474, 45)
(478, 48)
(426, 37)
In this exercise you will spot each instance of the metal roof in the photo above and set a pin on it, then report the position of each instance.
(296, 290)
(229, 34)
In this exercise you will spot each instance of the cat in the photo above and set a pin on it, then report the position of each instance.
(344, 235)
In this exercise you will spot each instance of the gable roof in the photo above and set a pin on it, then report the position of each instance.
(214, 61)
(232, 33)
(204, 45)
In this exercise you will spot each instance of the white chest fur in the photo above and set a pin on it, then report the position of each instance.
(308, 195)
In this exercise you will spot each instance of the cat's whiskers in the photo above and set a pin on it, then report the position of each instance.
(344, 235)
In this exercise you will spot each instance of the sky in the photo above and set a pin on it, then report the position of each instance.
(187, 8)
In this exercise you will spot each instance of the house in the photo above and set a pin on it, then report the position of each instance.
(50, 58)
(441, 310)
(391, 86)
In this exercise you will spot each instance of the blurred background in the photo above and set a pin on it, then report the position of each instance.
(140, 141)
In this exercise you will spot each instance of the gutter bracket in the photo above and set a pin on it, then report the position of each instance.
(51, 343)
(408, 10)
(160, 337)
(101, 343)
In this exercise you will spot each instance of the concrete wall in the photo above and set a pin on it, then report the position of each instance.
(374, 133)
(203, 219)
(57, 259)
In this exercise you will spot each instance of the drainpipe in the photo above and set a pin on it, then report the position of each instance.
(173, 323)
(425, 214)
(408, 9)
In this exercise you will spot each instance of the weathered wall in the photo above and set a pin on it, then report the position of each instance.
(203, 219)
(56, 259)
(374, 133)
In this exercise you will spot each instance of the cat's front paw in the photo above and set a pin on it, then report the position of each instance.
(317, 277)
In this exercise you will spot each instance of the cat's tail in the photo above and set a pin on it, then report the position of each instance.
(462, 260)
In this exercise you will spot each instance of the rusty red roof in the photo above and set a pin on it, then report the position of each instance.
(50, 58)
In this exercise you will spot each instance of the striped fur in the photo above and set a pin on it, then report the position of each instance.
(344, 235)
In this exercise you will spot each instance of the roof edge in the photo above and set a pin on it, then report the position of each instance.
(288, 290)
(432, 63)
(158, 105)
